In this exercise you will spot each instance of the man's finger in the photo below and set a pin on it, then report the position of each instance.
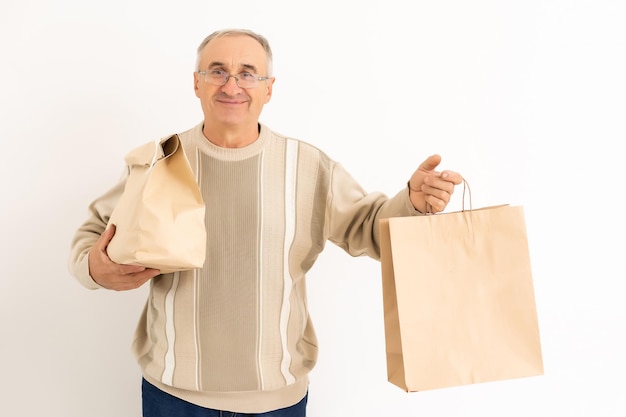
(453, 177)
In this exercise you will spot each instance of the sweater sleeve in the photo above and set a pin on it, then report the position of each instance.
(88, 233)
(353, 214)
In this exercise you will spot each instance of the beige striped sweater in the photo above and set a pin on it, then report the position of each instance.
(236, 334)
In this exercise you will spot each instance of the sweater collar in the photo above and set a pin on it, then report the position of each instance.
(231, 154)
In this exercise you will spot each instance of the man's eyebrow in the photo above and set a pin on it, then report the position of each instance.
(219, 64)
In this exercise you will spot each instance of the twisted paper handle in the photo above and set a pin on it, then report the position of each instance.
(429, 209)
(469, 192)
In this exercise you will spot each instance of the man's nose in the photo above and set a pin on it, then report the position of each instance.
(231, 87)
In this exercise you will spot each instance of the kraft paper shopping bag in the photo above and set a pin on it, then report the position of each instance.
(159, 218)
(458, 299)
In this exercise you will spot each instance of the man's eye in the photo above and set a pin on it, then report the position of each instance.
(217, 73)
(246, 75)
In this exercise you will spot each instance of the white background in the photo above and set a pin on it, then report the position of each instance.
(525, 98)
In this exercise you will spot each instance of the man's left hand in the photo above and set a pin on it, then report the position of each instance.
(430, 190)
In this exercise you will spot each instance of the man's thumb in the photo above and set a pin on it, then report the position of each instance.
(430, 163)
(108, 234)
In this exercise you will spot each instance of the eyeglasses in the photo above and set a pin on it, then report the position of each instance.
(243, 79)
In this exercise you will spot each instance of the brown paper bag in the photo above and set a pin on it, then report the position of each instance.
(160, 216)
(458, 299)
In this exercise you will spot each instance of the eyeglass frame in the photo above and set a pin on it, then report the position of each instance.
(257, 77)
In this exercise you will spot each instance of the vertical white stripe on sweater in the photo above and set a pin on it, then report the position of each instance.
(196, 283)
(291, 165)
(261, 279)
(170, 332)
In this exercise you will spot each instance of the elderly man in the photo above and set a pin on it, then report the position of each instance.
(235, 336)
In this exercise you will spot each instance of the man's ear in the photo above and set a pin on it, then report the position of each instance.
(270, 85)
(196, 80)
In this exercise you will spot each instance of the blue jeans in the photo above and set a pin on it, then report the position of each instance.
(156, 403)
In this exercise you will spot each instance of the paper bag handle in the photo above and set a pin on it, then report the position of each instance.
(429, 209)
(469, 192)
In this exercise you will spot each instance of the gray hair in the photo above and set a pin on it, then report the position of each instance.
(238, 32)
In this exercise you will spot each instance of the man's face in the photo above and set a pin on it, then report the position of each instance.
(229, 105)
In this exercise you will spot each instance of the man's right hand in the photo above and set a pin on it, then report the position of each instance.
(114, 276)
